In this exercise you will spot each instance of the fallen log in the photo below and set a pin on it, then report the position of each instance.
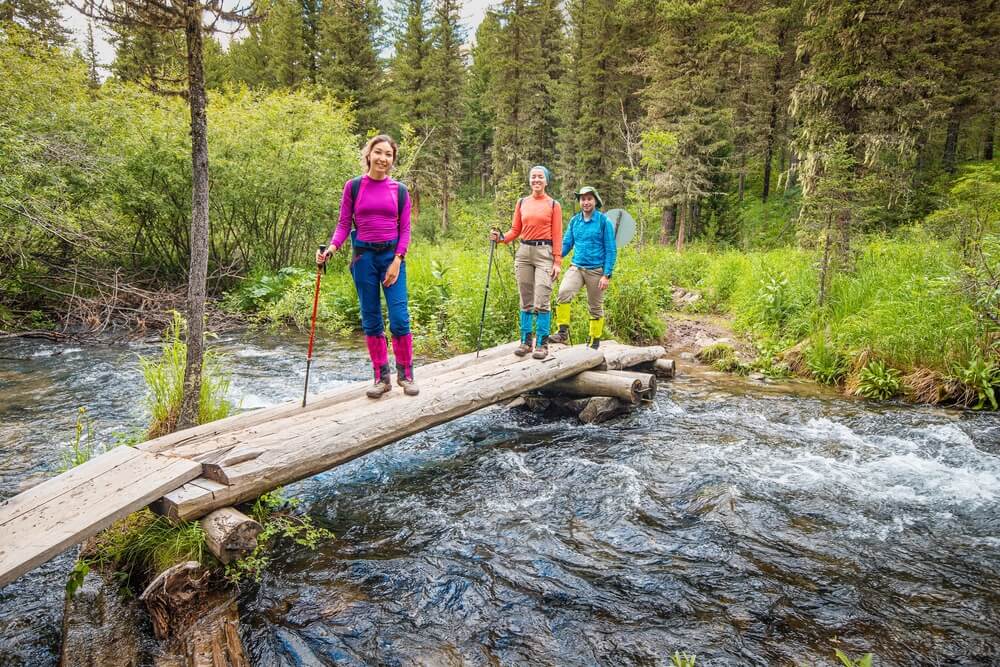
(230, 534)
(602, 408)
(599, 383)
(621, 357)
(647, 382)
(662, 368)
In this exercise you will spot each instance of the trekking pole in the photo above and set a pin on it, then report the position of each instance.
(312, 328)
(482, 317)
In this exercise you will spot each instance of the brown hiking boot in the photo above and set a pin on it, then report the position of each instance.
(561, 336)
(404, 378)
(526, 347)
(542, 349)
(383, 383)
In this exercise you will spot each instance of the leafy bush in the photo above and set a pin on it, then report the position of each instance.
(824, 361)
(980, 378)
(876, 380)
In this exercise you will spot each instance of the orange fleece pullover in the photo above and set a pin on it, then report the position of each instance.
(538, 219)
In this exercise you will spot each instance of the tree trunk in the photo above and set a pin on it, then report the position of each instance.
(414, 205)
(991, 130)
(951, 142)
(825, 266)
(444, 206)
(793, 167)
(681, 224)
(198, 271)
(667, 224)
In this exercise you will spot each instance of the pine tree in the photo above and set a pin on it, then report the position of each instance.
(479, 112)
(349, 42)
(599, 105)
(526, 64)
(40, 17)
(273, 54)
(409, 92)
(445, 79)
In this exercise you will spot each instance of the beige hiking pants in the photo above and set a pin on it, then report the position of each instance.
(576, 278)
(532, 267)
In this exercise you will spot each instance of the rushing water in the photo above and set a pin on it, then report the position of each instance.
(745, 522)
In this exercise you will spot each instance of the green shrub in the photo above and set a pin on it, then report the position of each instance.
(981, 379)
(876, 380)
(825, 363)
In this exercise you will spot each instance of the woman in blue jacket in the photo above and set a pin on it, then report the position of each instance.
(591, 237)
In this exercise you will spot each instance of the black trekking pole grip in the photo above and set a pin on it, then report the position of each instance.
(322, 250)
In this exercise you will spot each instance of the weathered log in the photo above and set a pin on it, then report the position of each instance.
(230, 534)
(304, 444)
(189, 439)
(664, 368)
(602, 408)
(620, 357)
(599, 383)
(647, 381)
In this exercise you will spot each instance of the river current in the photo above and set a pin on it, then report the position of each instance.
(746, 522)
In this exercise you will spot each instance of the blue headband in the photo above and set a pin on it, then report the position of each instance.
(545, 171)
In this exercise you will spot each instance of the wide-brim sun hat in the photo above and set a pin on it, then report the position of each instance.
(587, 190)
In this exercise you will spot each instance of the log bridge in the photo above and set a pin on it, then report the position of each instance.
(202, 471)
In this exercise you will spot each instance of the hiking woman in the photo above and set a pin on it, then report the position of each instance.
(379, 208)
(538, 223)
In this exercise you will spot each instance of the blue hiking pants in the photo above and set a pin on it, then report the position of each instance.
(368, 267)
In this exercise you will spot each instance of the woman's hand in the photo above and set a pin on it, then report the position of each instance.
(556, 268)
(392, 273)
(495, 235)
(602, 284)
(321, 257)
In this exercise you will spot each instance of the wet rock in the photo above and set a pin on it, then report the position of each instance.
(100, 629)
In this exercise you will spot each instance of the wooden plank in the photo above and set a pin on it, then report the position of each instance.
(80, 509)
(55, 487)
(248, 443)
(196, 488)
(190, 438)
(321, 441)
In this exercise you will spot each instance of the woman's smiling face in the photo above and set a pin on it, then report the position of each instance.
(380, 159)
(536, 179)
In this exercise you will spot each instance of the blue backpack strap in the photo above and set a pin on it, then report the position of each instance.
(402, 195)
(355, 191)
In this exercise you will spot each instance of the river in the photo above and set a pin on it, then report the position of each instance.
(746, 522)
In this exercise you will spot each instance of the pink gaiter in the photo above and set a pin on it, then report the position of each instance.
(402, 348)
(378, 350)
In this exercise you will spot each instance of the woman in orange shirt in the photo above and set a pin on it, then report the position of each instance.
(538, 223)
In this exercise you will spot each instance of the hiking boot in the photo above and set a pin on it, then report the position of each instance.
(595, 343)
(561, 336)
(542, 349)
(383, 383)
(526, 345)
(404, 378)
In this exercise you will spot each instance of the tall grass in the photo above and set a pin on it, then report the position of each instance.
(165, 383)
(901, 303)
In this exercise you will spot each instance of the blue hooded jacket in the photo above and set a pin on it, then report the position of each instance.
(593, 241)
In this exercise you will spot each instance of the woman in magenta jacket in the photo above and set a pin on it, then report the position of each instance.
(379, 208)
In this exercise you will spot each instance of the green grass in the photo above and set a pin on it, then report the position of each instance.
(901, 303)
(165, 383)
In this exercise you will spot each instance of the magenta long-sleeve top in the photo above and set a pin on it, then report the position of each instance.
(375, 214)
